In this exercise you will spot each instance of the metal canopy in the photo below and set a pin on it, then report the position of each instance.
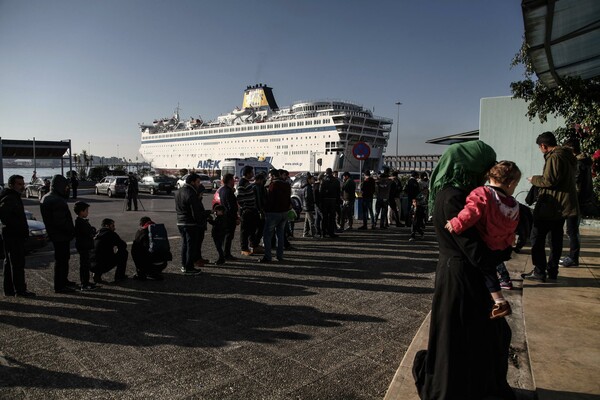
(456, 138)
(563, 37)
(34, 149)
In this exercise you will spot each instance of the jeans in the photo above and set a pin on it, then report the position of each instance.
(394, 213)
(229, 234)
(574, 238)
(309, 223)
(347, 213)
(275, 222)
(84, 267)
(538, 245)
(367, 208)
(219, 245)
(189, 244)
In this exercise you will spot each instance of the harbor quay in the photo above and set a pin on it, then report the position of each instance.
(332, 321)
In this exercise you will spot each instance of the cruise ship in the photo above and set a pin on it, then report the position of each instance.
(307, 136)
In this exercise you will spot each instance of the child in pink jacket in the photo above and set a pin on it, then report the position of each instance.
(495, 214)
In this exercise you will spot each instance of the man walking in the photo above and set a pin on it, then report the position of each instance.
(367, 189)
(190, 214)
(60, 228)
(557, 200)
(14, 232)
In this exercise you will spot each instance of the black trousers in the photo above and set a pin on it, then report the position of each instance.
(14, 265)
(219, 245)
(328, 207)
(119, 260)
(189, 245)
(249, 228)
(574, 239)
(62, 254)
(229, 233)
(132, 198)
(538, 245)
(84, 266)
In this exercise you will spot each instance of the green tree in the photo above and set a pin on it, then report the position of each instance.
(575, 99)
(99, 172)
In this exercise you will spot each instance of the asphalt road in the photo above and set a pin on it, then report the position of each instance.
(331, 322)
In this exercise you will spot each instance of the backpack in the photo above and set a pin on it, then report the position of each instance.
(159, 242)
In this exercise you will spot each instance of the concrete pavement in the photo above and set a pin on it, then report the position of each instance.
(555, 350)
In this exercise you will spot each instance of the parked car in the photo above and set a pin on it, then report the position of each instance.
(204, 180)
(38, 188)
(112, 186)
(155, 184)
(37, 232)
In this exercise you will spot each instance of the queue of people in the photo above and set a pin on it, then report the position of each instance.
(475, 225)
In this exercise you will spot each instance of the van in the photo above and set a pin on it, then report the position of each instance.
(234, 166)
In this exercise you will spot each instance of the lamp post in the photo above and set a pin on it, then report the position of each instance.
(397, 130)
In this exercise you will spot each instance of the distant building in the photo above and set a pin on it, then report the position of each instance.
(406, 164)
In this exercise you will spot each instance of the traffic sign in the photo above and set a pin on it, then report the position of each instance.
(361, 151)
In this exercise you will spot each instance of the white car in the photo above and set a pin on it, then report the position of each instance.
(204, 180)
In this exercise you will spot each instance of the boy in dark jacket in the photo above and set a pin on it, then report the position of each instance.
(84, 243)
(106, 258)
(219, 230)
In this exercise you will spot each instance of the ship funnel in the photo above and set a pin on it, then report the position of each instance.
(259, 96)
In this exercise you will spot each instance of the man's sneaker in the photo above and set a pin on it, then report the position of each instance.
(362, 228)
(506, 285)
(220, 261)
(411, 239)
(258, 250)
(264, 260)
(121, 278)
(568, 262)
(534, 276)
(140, 277)
(500, 310)
(246, 252)
(88, 286)
(231, 258)
(191, 271)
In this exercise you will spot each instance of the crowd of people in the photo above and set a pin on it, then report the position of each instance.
(475, 224)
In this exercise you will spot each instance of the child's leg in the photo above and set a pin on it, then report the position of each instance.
(219, 245)
(84, 267)
(503, 273)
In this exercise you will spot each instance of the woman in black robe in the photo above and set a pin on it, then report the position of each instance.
(467, 354)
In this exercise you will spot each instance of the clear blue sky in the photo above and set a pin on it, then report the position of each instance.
(92, 70)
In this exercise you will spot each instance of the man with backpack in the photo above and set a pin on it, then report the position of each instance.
(150, 250)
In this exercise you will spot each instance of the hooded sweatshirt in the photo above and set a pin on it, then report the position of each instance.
(55, 211)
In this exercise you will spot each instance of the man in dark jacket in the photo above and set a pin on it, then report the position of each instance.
(394, 203)
(229, 201)
(309, 206)
(261, 199)
(15, 233)
(191, 217)
(557, 200)
(132, 192)
(330, 195)
(147, 264)
(106, 258)
(348, 200)
(382, 190)
(249, 216)
(276, 208)
(59, 225)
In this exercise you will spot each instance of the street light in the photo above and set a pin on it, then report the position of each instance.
(397, 132)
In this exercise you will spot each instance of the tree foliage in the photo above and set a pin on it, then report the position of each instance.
(575, 99)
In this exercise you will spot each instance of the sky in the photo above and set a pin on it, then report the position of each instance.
(90, 71)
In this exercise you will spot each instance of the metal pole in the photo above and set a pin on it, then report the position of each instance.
(397, 129)
(34, 159)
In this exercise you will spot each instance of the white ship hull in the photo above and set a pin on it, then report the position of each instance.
(310, 136)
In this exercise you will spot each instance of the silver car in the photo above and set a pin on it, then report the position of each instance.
(112, 186)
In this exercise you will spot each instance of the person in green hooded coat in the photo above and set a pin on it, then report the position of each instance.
(467, 352)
